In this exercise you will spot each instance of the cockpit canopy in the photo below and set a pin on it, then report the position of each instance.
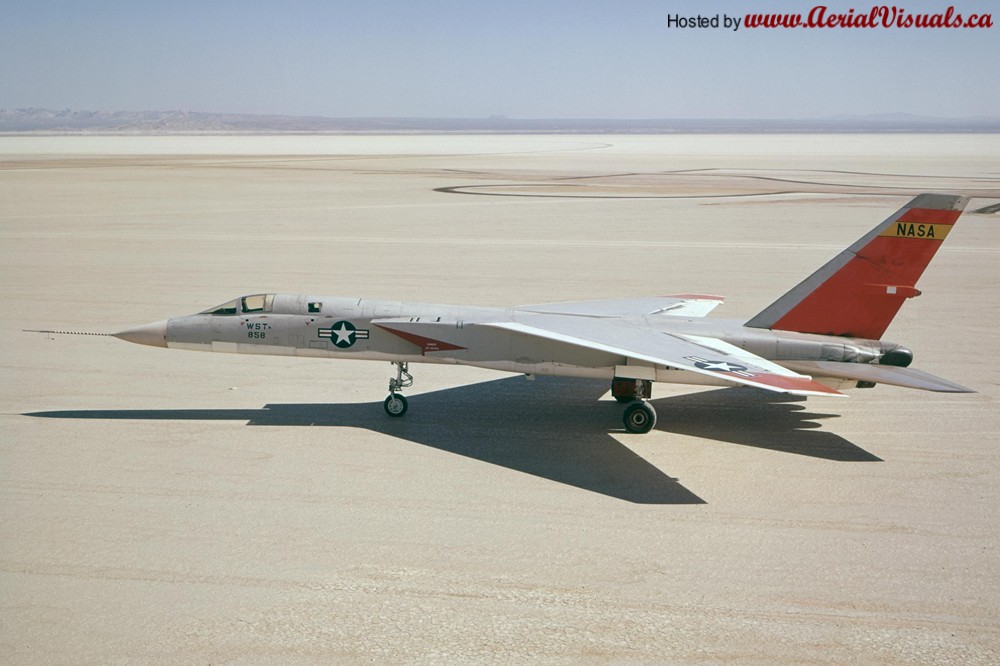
(245, 305)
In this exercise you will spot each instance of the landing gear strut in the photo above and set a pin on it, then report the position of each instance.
(626, 390)
(395, 405)
(639, 416)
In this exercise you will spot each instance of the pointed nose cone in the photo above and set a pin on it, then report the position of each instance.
(154, 335)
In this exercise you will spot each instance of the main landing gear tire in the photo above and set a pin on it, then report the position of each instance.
(639, 417)
(395, 405)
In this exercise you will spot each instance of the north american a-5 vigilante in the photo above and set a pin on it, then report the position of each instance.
(819, 339)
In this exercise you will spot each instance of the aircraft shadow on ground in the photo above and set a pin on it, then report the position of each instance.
(552, 428)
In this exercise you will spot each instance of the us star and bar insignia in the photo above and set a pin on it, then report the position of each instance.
(343, 334)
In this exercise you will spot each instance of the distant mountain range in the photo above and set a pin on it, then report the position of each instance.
(67, 121)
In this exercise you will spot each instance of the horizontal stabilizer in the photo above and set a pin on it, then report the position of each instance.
(879, 374)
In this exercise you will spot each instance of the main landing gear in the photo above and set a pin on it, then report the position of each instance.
(639, 416)
(395, 405)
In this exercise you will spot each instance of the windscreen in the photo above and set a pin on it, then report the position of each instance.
(246, 304)
(224, 309)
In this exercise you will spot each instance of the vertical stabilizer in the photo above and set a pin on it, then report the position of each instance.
(859, 291)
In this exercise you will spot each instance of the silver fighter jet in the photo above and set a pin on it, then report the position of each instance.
(820, 338)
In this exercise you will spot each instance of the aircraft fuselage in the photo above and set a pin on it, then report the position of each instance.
(337, 327)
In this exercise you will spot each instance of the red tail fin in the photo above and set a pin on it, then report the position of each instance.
(860, 290)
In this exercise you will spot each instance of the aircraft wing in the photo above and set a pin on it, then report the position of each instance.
(706, 356)
(682, 305)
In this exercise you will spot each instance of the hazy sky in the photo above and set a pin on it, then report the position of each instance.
(469, 58)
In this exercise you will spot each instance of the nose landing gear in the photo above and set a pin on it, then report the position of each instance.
(395, 405)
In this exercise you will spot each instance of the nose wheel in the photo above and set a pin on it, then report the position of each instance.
(395, 405)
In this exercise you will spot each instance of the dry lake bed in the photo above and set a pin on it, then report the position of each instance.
(163, 506)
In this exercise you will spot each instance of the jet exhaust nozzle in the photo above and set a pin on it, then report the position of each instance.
(897, 356)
